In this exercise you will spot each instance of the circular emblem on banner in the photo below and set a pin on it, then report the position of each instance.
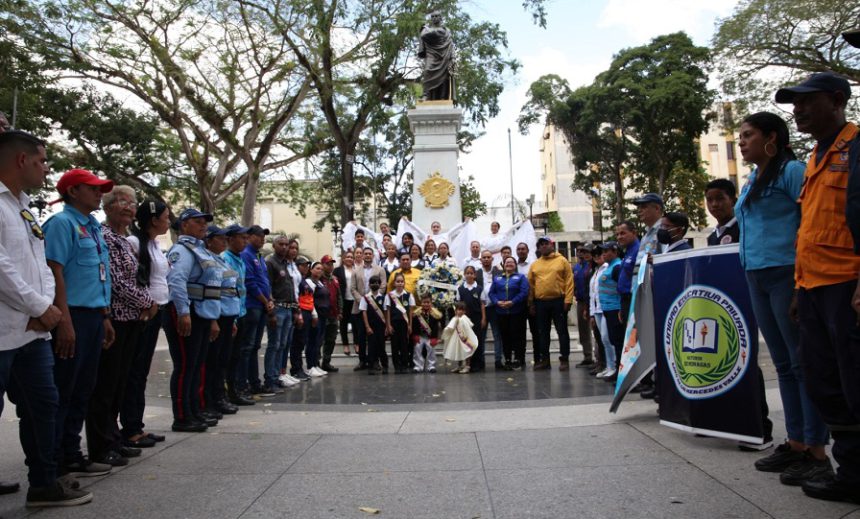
(706, 342)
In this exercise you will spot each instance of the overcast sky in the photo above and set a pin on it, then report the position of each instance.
(577, 44)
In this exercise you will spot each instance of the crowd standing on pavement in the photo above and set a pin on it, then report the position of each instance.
(82, 304)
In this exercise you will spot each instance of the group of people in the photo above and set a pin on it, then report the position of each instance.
(83, 303)
(502, 297)
(798, 230)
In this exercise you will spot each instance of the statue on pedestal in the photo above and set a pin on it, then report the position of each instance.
(436, 48)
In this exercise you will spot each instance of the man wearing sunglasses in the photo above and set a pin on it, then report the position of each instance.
(27, 315)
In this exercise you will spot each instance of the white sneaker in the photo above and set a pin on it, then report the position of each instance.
(288, 381)
(602, 374)
(322, 371)
(315, 372)
(609, 373)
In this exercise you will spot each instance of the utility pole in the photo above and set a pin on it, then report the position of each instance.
(511, 163)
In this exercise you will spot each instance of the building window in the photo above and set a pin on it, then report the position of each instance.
(713, 148)
(730, 150)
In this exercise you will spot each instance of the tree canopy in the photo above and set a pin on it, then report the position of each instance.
(636, 126)
(765, 44)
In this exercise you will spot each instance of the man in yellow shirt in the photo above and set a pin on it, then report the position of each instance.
(550, 296)
(410, 275)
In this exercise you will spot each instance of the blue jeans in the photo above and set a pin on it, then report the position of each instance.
(312, 338)
(248, 369)
(771, 291)
(277, 344)
(75, 379)
(608, 348)
(27, 374)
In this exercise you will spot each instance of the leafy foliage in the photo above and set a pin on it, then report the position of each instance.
(636, 126)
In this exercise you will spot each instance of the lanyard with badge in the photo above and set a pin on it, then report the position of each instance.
(102, 269)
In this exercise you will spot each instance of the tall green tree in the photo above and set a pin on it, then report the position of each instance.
(636, 126)
(765, 44)
(227, 87)
(361, 59)
(87, 128)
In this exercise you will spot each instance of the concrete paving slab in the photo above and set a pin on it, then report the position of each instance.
(607, 445)
(344, 454)
(679, 491)
(164, 496)
(225, 453)
(525, 418)
(723, 461)
(269, 420)
(416, 495)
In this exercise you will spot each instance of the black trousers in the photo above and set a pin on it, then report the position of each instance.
(401, 350)
(188, 355)
(114, 365)
(830, 357)
(346, 312)
(513, 327)
(360, 334)
(217, 361)
(375, 346)
(533, 331)
(477, 361)
(551, 312)
(134, 401)
(599, 352)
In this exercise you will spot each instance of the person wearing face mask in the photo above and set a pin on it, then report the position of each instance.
(673, 228)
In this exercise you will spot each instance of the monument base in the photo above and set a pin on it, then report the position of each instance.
(436, 179)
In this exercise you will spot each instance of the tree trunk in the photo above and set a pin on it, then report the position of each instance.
(347, 202)
(251, 187)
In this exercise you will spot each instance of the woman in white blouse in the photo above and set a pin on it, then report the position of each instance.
(153, 220)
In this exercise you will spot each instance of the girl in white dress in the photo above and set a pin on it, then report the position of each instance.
(460, 340)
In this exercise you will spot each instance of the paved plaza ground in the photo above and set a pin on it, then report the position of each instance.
(484, 445)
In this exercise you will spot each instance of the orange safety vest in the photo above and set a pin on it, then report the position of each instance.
(825, 248)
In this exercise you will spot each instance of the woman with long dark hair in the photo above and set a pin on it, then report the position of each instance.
(153, 220)
(769, 216)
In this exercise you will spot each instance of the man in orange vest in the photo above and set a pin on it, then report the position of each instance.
(826, 276)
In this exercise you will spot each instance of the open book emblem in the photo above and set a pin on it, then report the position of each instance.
(700, 336)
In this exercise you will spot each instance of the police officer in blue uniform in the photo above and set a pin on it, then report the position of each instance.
(191, 319)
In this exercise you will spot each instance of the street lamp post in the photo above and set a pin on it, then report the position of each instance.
(335, 231)
(531, 201)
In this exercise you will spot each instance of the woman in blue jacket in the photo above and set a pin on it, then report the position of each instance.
(509, 293)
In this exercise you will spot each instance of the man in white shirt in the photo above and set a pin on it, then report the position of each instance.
(27, 315)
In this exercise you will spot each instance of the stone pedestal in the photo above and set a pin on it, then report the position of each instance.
(436, 181)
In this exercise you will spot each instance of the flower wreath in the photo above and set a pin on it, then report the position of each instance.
(441, 283)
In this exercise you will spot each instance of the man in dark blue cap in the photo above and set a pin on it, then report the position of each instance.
(826, 274)
(649, 207)
(191, 323)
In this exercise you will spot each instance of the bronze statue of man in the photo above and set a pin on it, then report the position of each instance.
(437, 50)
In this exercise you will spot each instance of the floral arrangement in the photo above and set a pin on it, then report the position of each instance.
(441, 283)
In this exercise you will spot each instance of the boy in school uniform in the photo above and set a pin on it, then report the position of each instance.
(426, 322)
(372, 313)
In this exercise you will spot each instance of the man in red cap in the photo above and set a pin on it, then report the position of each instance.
(78, 257)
